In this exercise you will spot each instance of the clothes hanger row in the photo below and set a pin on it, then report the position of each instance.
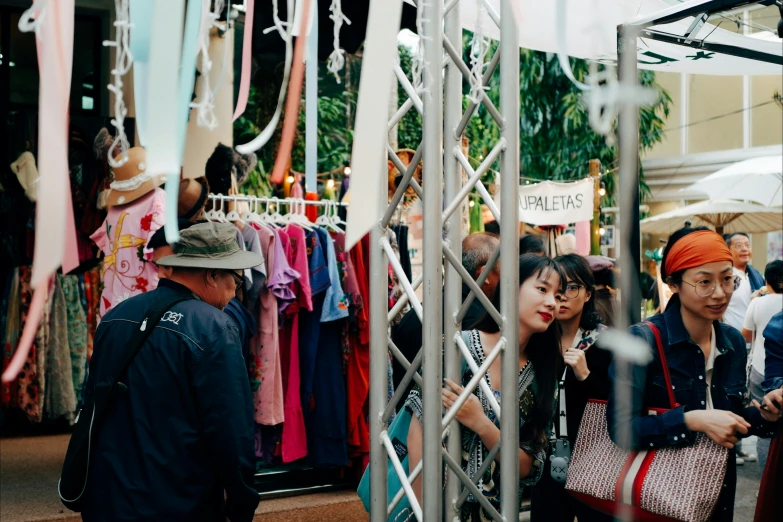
(296, 206)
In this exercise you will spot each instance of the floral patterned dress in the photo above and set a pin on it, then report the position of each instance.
(127, 270)
(474, 452)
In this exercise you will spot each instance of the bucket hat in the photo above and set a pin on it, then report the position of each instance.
(211, 245)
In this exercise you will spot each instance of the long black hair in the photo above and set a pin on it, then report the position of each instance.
(542, 350)
(577, 269)
(675, 278)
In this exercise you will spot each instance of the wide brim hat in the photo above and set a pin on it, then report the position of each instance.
(131, 180)
(212, 246)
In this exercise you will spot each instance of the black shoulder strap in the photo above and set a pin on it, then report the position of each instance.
(148, 324)
(140, 336)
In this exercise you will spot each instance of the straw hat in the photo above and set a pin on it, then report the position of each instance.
(132, 181)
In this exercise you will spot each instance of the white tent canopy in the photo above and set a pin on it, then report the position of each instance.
(591, 33)
(724, 216)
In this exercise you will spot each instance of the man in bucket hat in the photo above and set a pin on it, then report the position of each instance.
(178, 443)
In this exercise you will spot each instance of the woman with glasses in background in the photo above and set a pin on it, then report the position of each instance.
(584, 376)
(706, 360)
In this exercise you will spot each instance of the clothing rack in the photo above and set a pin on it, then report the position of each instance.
(282, 201)
(296, 210)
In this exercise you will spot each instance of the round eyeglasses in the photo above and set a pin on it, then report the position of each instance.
(706, 287)
(572, 290)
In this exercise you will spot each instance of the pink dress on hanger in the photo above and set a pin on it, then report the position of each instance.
(268, 398)
(127, 270)
(294, 437)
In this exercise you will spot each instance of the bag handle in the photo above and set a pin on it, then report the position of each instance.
(665, 365)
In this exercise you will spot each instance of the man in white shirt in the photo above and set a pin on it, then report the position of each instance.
(759, 313)
(750, 281)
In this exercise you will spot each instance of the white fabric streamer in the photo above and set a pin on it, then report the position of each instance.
(261, 140)
(123, 59)
(31, 19)
(337, 58)
(478, 53)
(205, 107)
(368, 157)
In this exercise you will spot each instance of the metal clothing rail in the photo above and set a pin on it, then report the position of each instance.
(285, 201)
(439, 100)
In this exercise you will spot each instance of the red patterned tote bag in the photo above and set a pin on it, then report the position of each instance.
(650, 485)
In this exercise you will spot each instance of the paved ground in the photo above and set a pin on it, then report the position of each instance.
(30, 468)
(748, 479)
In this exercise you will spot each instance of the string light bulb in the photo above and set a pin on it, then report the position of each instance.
(290, 180)
(602, 190)
(347, 170)
(330, 183)
(601, 231)
(472, 203)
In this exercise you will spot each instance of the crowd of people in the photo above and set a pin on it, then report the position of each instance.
(561, 316)
(719, 302)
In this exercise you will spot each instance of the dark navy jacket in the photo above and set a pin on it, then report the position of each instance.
(182, 434)
(755, 277)
(688, 373)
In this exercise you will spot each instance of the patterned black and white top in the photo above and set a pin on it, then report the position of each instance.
(474, 452)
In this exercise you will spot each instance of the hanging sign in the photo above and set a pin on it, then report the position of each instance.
(550, 203)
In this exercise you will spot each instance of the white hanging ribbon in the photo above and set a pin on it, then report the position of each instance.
(337, 58)
(263, 137)
(140, 15)
(478, 53)
(311, 105)
(369, 145)
(206, 105)
(123, 59)
(173, 48)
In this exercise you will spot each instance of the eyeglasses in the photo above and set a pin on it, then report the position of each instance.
(238, 279)
(706, 287)
(572, 291)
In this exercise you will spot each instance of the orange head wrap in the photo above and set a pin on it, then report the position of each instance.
(696, 249)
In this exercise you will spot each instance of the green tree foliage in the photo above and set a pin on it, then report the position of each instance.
(556, 140)
(336, 109)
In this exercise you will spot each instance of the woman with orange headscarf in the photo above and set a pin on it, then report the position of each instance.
(706, 360)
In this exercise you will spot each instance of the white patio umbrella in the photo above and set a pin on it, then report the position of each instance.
(721, 215)
(757, 179)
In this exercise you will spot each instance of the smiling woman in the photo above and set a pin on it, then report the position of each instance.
(541, 284)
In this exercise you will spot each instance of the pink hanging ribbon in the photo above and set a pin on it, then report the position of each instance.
(292, 102)
(55, 232)
(247, 62)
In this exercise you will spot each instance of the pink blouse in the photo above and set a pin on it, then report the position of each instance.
(127, 270)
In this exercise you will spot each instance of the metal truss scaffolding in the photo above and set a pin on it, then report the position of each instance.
(443, 193)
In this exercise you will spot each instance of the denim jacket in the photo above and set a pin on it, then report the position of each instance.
(773, 346)
(688, 373)
(689, 380)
